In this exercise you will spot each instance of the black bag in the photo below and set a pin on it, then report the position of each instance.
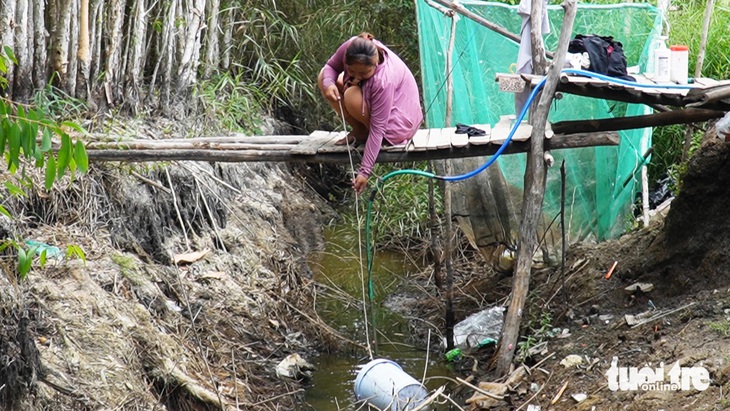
(606, 55)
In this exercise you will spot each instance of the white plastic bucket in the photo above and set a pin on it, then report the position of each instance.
(383, 384)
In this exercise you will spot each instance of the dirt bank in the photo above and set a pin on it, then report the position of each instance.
(193, 289)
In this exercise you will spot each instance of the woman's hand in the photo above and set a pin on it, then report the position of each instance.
(332, 93)
(360, 183)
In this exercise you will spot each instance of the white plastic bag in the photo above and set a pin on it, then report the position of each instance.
(723, 127)
(479, 328)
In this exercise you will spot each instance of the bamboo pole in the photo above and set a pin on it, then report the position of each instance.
(703, 41)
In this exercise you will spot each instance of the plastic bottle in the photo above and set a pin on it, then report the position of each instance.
(679, 62)
(661, 61)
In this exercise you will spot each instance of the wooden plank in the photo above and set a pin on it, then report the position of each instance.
(501, 131)
(642, 79)
(331, 147)
(439, 139)
(706, 82)
(420, 140)
(458, 140)
(311, 145)
(523, 133)
(479, 140)
(399, 147)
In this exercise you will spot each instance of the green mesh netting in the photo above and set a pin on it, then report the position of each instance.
(601, 182)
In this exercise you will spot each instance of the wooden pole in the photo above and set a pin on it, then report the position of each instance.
(703, 41)
(689, 115)
(534, 193)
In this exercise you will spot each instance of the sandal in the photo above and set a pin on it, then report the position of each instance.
(471, 131)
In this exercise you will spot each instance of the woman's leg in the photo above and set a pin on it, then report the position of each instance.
(359, 113)
(359, 130)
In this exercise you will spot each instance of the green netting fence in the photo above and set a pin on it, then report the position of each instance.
(602, 182)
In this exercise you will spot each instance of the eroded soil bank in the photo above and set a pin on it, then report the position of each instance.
(194, 287)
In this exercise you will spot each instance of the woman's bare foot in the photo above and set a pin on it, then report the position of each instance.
(349, 139)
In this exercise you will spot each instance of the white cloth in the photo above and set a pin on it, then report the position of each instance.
(524, 55)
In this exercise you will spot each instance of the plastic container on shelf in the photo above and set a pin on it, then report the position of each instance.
(679, 63)
(662, 61)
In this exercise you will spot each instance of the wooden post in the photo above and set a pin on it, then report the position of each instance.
(534, 193)
(703, 41)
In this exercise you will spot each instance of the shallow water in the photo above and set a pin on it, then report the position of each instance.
(332, 385)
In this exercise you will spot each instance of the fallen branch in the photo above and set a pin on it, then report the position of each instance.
(664, 314)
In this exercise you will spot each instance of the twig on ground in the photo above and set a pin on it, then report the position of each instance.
(479, 390)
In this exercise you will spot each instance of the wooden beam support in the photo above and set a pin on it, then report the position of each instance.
(559, 141)
(690, 115)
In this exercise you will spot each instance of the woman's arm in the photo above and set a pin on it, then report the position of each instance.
(381, 105)
(334, 66)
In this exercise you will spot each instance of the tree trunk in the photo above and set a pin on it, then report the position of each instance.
(95, 33)
(167, 47)
(138, 21)
(84, 53)
(534, 193)
(227, 38)
(212, 51)
(194, 15)
(539, 62)
(73, 48)
(60, 39)
(7, 20)
(112, 79)
(23, 74)
(40, 71)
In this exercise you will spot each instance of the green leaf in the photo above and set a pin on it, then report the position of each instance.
(14, 144)
(6, 213)
(43, 258)
(47, 141)
(33, 116)
(80, 156)
(14, 190)
(75, 126)
(39, 159)
(64, 155)
(10, 54)
(50, 172)
(23, 263)
(3, 134)
(3, 67)
(75, 251)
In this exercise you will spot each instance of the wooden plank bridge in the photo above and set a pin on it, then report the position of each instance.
(707, 99)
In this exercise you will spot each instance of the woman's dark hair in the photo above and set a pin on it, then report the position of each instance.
(362, 50)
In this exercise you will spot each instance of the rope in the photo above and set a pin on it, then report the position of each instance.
(359, 236)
